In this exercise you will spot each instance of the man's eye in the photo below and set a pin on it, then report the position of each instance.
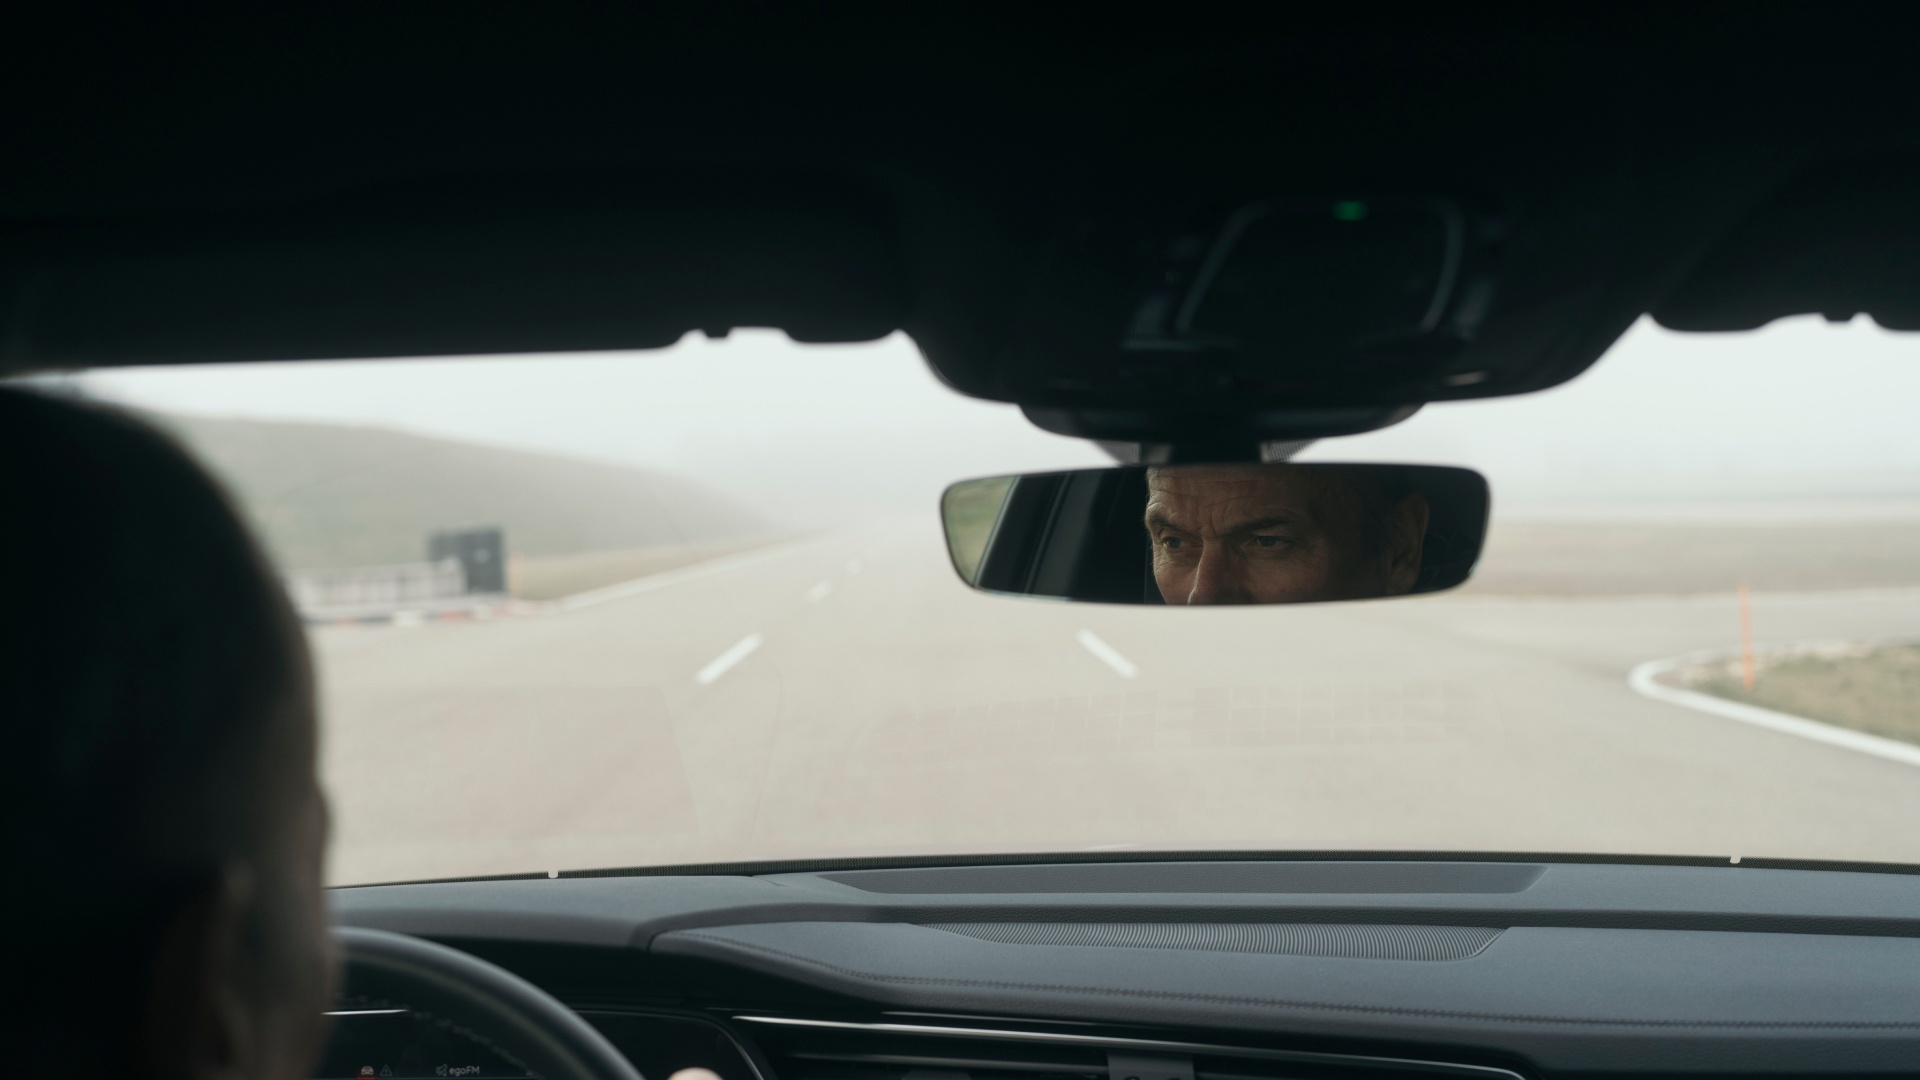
(1173, 543)
(1269, 541)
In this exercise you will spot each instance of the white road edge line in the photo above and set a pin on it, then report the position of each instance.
(724, 663)
(1644, 679)
(1107, 654)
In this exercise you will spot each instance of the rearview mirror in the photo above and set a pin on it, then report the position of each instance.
(1219, 534)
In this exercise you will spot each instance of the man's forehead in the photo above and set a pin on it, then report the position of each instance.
(1219, 497)
(1228, 481)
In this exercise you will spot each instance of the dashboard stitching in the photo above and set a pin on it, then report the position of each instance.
(1229, 999)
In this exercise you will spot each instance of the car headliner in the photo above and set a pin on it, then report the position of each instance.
(422, 181)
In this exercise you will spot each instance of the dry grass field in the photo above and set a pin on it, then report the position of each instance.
(1875, 689)
(1597, 559)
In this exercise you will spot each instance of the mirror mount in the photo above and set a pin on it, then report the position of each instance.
(1182, 438)
(1265, 453)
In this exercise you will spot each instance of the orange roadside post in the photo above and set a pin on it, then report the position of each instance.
(1746, 638)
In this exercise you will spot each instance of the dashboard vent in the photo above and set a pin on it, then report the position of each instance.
(1354, 942)
(810, 1049)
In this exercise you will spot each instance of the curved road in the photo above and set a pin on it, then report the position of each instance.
(847, 695)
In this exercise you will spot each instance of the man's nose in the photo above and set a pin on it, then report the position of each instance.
(1217, 579)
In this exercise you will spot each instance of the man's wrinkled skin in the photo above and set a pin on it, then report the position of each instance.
(1279, 534)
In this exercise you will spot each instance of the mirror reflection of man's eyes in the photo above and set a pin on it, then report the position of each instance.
(1251, 534)
(1237, 535)
(1261, 538)
(1169, 537)
(1272, 534)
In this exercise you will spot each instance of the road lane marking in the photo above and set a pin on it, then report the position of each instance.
(819, 592)
(1107, 654)
(724, 663)
(1645, 679)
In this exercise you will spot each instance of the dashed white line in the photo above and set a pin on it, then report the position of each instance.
(725, 662)
(1107, 654)
(819, 592)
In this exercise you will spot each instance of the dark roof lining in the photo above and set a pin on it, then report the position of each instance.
(314, 186)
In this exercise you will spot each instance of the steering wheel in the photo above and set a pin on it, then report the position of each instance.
(481, 1000)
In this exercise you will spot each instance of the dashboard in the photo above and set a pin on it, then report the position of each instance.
(396, 1044)
(1185, 970)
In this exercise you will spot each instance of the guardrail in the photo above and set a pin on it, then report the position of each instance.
(377, 586)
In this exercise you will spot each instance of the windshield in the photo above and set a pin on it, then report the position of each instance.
(695, 605)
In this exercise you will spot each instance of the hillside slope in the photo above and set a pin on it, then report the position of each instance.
(325, 495)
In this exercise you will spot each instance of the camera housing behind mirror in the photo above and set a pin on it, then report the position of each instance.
(1219, 534)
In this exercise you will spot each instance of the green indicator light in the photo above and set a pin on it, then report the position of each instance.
(1350, 210)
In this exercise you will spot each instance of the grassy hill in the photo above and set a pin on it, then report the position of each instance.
(325, 495)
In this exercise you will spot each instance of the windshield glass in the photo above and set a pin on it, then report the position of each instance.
(695, 605)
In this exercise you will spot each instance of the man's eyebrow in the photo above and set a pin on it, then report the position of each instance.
(1267, 522)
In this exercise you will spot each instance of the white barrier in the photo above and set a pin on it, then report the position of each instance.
(377, 586)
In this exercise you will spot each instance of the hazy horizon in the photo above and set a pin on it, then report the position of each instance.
(1800, 414)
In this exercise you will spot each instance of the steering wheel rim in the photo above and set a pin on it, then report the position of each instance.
(516, 1017)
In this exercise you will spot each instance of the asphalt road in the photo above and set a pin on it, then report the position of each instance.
(847, 695)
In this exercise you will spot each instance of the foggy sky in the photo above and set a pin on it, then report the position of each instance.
(1798, 413)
